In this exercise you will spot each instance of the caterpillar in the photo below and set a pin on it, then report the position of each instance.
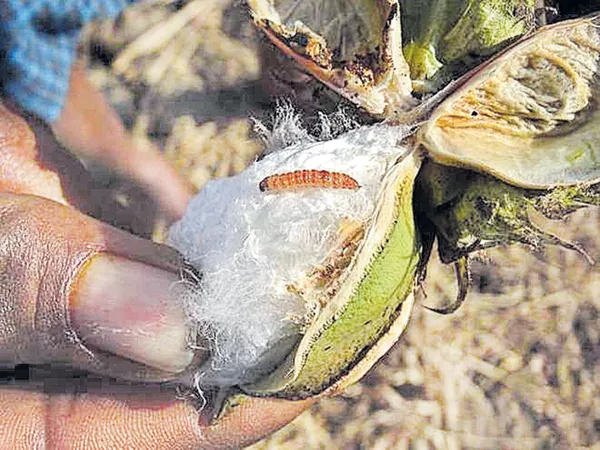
(301, 179)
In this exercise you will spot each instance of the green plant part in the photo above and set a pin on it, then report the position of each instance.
(484, 25)
(424, 25)
(438, 185)
(454, 35)
(472, 212)
(490, 213)
(562, 201)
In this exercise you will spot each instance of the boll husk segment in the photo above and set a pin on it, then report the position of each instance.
(354, 48)
(529, 117)
(442, 38)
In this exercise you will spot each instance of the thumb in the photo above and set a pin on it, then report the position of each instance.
(78, 292)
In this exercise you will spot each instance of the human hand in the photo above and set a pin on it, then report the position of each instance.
(79, 295)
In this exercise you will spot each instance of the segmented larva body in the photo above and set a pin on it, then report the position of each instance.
(301, 179)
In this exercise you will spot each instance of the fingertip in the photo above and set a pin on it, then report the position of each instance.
(253, 420)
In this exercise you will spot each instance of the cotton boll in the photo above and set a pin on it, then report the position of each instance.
(251, 246)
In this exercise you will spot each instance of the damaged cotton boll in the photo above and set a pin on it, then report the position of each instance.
(252, 248)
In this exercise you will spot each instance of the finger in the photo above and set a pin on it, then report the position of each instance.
(32, 162)
(79, 292)
(125, 420)
(160, 179)
(89, 127)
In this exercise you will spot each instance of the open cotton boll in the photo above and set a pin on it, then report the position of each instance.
(251, 246)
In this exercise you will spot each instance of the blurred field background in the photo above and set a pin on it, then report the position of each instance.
(516, 367)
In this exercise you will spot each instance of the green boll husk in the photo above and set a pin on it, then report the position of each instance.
(486, 24)
(484, 212)
(445, 38)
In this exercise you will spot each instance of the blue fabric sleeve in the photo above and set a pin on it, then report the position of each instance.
(40, 46)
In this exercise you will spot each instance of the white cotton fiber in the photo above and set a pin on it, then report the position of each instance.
(250, 246)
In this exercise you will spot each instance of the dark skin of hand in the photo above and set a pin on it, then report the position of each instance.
(79, 295)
